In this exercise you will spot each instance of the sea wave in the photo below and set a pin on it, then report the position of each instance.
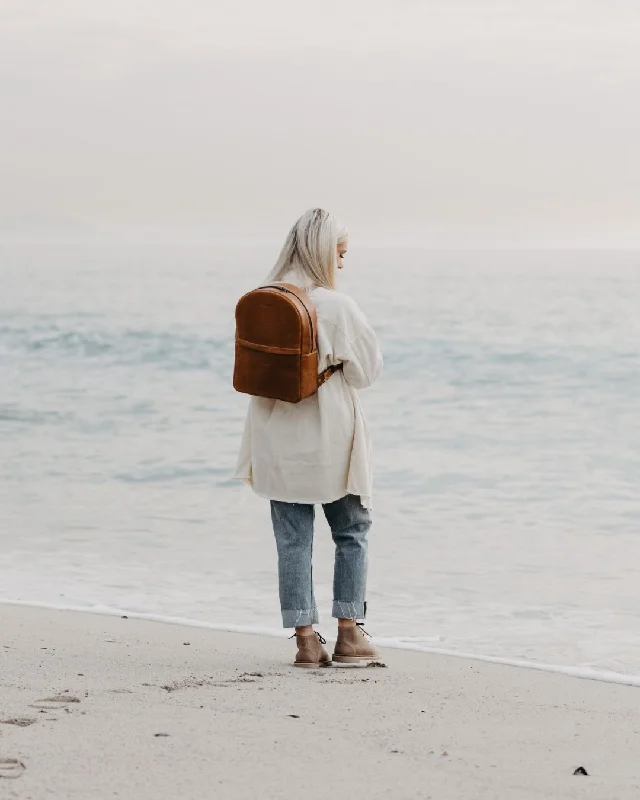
(164, 349)
(32, 416)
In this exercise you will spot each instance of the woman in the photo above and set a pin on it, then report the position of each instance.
(318, 450)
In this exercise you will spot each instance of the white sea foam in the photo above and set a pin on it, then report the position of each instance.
(397, 644)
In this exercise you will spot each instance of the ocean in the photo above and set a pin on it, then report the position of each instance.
(506, 433)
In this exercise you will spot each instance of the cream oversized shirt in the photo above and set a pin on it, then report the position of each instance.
(318, 450)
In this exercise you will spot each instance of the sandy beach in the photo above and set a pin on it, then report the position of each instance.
(97, 707)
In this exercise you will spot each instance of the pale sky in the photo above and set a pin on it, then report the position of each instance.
(435, 122)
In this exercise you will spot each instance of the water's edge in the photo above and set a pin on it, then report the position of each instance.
(396, 644)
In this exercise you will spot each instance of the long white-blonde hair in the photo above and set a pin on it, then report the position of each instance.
(312, 249)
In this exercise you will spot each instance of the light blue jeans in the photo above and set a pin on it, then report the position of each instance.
(293, 527)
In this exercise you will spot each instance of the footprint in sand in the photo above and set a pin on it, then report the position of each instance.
(52, 703)
(11, 768)
(19, 722)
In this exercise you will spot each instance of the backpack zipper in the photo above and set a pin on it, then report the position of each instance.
(288, 291)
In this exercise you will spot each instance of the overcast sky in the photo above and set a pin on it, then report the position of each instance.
(435, 122)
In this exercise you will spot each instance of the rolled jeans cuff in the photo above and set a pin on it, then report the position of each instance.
(298, 618)
(348, 610)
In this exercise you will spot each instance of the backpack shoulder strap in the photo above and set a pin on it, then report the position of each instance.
(324, 376)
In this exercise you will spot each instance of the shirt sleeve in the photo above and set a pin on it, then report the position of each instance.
(357, 348)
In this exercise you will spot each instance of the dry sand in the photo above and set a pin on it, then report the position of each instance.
(97, 707)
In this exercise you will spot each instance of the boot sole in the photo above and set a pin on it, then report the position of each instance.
(354, 659)
(311, 664)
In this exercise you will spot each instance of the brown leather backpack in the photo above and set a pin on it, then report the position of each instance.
(276, 344)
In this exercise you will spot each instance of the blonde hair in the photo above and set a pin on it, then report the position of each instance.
(311, 247)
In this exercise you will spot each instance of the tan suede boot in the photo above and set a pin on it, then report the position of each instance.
(311, 653)
(353, 646)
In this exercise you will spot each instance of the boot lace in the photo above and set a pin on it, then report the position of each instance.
(360, 625)
(321, 639)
